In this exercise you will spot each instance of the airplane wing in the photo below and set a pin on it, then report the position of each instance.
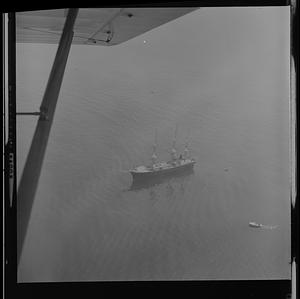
(94, 26)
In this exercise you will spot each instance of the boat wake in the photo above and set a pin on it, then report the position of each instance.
(269, 226)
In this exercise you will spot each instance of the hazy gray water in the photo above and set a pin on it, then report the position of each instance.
(86, 225)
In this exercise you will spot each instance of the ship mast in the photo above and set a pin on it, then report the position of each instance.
(173, 151)
(154, 156)
(186, 149)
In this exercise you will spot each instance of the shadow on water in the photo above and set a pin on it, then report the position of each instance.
(140, 184)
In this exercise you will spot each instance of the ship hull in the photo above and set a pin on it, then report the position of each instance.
(162, 173)
(148, 182)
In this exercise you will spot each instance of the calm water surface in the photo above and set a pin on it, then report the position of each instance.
(87, 224)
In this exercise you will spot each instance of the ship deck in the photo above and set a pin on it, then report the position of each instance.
(161, 166)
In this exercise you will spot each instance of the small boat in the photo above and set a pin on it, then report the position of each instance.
(176, 165)
(254, 224)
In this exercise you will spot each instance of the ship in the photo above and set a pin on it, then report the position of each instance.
(176, 165)
(254, 224)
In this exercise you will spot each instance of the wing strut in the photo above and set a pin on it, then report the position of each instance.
(29, 180)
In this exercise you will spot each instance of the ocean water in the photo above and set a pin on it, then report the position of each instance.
(88, 225)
